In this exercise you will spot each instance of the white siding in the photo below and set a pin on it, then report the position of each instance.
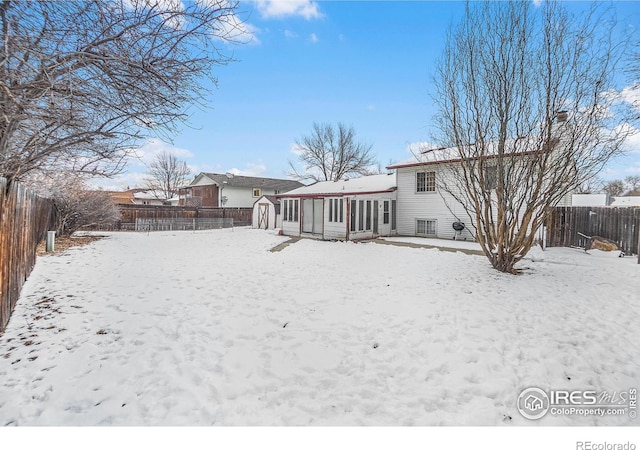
(289, 228)
(414, 205)
(336, 230)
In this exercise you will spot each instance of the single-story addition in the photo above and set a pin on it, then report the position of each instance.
(266, 213)
(214, 190)
(356, 208)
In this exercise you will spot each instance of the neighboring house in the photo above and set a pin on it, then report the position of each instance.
(591, 200)
(626, 201)
(140, 197)
(212, 190)
(266, 213)
(357, 208)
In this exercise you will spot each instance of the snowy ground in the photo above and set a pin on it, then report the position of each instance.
(182, 328)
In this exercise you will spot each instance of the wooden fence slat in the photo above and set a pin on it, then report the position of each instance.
(24, 221)
(621, 225)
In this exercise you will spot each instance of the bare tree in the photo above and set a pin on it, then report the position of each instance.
(614, 188)
(331, 154)
(523, 95)
(83, 82)
(166, 175)
(633, 184)
(76, 204)
(591, 186)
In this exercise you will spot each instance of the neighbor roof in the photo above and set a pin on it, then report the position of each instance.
(252, 182)
(368, 184)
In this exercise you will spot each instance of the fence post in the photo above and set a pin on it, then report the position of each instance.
(51, 241)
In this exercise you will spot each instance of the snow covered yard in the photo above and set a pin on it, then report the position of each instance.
(182, 328)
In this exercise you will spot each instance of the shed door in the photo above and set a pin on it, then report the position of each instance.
(263, 215)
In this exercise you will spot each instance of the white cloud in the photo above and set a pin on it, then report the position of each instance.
(250, 170)
(297, 149)
(154, 146)
(632, 142)
(231, 28)
(631, 95)
(284, 8)
(537, 3)
(313, 38)
(290, 34)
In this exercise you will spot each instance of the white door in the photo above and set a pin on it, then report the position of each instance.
(312, 215)
(307, 215)
(318, 215)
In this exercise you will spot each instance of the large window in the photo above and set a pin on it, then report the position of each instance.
(336, 210)
(425, 182)
(426, 227)
(290, 210)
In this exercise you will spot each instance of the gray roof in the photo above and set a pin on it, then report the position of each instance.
(253, 182)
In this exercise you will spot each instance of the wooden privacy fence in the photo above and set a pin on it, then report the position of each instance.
(132, 214)
(621, 225)
(24, 221)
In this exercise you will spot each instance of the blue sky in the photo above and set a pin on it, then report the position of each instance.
(368, 64)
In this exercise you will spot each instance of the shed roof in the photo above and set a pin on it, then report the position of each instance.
(362, 185)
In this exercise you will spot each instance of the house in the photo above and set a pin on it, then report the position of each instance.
(266, 213)
(212, 190)
(427, 208)
(632, 201)
(357, 208)
(140, 196)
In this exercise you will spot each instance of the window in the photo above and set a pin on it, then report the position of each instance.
(330, 210)
(361, 215)
(352, 215)
(257, 192)
(290, 211)
(385, 212)
(426, 227)
(336, 211)
(368, 215)
(490, 177)
(425, 182)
